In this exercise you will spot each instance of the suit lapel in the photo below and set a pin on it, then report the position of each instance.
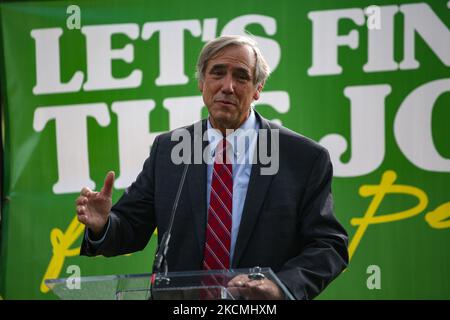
(256, 193)
(196, 179)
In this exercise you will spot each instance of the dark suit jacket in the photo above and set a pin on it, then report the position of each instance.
(287, 223)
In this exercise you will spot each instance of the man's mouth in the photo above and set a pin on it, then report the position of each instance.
(226, 102)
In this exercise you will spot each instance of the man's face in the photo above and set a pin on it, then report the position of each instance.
(228, 88)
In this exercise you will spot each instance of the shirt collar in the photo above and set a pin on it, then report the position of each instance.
(237, 138)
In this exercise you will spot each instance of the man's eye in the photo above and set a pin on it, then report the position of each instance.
(217, 72)
(242, 77)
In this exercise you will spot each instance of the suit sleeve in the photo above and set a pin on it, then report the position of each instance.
(324, 242)
(132, 218)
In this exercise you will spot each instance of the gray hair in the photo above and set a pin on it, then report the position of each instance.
(262, 69)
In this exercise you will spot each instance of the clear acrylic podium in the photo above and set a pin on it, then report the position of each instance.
(193, 285)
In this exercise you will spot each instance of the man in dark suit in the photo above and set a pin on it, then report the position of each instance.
(230, 214)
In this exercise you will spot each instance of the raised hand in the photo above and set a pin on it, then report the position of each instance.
(93, 207)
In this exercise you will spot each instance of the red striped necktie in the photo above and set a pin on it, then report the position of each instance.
(218, 230)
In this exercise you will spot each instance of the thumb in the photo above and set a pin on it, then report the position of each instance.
(108, 185)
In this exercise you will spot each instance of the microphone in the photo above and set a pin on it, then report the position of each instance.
(160, 262)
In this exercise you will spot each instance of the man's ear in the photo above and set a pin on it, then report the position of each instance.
(258, 91)
(200, 85)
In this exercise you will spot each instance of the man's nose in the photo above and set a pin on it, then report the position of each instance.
(228, 84)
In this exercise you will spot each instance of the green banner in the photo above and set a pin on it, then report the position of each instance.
(86, 86)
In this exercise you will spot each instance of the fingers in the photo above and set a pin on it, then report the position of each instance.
(236, 286)
(81, 212)
(254, 289)
(238, 281)
(81, 209)
(82, 218)
(259, 284)
(86, 192)
(239, 292)
(243, 280)
(81, 200)
(106, 190)
(108, 185)
(264, 289)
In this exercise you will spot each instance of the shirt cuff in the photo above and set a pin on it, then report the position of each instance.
(96, 243)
